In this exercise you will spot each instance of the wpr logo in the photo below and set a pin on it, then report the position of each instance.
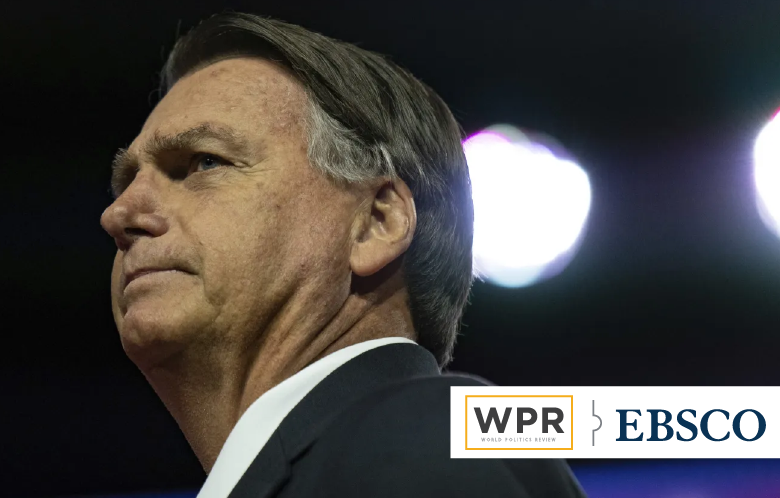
(519, 422)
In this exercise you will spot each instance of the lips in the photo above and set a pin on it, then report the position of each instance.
(140, 272)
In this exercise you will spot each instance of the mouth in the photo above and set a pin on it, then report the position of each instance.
(142, 272)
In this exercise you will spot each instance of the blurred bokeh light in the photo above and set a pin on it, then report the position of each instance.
(767, 173)
(531, 202)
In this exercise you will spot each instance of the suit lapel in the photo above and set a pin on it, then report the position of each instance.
(366, 373)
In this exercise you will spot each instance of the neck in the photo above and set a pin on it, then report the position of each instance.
(207, 388)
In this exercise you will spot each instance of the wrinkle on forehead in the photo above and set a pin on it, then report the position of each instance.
(258, 93)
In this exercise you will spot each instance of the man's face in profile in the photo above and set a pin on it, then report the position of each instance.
(220, 219)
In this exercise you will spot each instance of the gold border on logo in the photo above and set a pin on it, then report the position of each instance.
(571, 397)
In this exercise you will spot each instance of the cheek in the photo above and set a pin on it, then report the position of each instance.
(240, 241)
(320, 243)
(267, 239)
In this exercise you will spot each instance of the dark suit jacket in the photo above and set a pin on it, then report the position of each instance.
(379, 426)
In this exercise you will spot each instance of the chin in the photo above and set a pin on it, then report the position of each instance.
(152, 333)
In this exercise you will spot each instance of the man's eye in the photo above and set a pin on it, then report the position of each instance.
(205, 162)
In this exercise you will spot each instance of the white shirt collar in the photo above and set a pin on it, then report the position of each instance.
(264, 415)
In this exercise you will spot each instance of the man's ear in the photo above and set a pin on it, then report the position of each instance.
(387, 228)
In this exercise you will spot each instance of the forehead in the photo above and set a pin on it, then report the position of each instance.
(251, 96)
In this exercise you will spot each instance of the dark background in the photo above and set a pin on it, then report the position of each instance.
(677, 281)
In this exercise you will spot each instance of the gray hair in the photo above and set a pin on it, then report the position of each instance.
(369, 118)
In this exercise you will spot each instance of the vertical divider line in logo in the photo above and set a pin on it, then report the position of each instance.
(571, 398)
(593, 443)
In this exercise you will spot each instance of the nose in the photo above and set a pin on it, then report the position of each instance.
(135, 213)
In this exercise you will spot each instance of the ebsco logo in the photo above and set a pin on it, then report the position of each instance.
(662, 420)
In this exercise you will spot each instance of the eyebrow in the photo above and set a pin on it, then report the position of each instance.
(125, 164)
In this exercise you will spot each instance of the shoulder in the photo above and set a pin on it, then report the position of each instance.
(412, 412)
(400, 436)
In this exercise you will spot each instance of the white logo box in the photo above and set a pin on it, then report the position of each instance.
(615, 422)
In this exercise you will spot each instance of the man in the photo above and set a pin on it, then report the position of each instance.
(294, 227)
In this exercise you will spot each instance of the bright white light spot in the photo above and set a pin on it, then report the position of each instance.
(767, 174)
(530, 206)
